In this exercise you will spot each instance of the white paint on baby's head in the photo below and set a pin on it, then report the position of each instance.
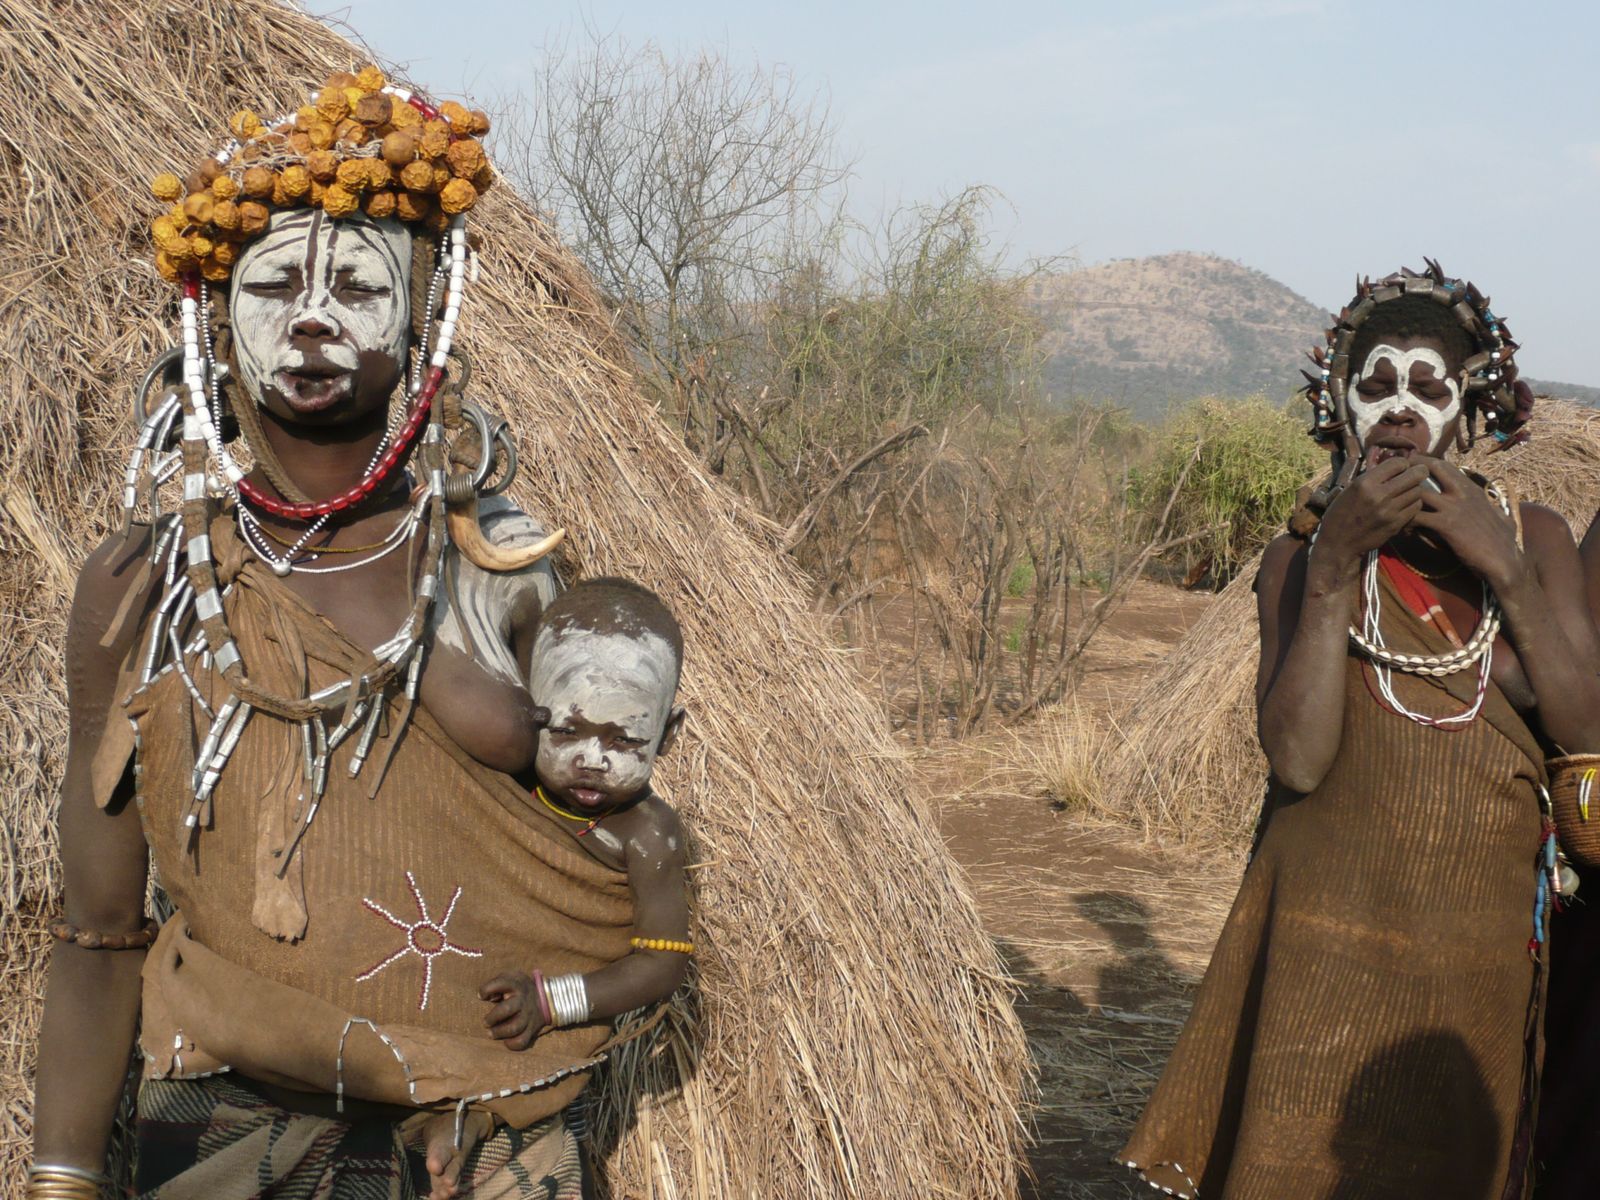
(623, 681)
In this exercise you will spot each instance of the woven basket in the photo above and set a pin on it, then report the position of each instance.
(1575, 801)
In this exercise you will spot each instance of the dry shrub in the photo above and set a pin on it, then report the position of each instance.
(1055, 758)
(1187, 765)
(852, 1031)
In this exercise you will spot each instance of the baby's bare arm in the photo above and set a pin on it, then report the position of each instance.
(656, 851)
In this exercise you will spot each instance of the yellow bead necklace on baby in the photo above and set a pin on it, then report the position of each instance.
(588, 822)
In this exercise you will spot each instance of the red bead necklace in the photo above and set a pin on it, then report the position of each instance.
(310, 510)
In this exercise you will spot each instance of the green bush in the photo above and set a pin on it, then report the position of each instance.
(1254, 456)
(1021, 581)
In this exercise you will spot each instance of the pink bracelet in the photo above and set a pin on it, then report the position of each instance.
(543, 996)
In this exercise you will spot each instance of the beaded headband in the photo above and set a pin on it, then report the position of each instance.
(1489, 375)
(362, 145)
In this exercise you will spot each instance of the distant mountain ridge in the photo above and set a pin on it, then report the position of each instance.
(1150, 332)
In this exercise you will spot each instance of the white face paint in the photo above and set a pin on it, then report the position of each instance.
(312, 298)
(1367, 413)
(610, 697)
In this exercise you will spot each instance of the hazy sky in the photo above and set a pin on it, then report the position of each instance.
(1311, 140)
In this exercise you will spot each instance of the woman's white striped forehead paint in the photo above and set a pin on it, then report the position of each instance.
(354, 278)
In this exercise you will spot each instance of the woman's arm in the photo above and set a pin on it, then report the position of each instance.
(1305, 599)
(1547, 621)
(1540, 592)
(92, 998)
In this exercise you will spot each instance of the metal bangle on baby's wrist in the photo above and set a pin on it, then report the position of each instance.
(569, 1000)
(50, 1182)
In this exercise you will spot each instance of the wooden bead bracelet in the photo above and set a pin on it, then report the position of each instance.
(90, 939)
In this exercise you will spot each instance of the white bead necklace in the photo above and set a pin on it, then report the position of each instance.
(1384, 670)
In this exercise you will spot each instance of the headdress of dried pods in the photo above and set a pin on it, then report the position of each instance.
(361, 145)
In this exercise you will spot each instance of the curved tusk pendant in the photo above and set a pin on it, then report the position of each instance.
(462, 521)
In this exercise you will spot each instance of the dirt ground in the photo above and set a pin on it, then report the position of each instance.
(1107, 937)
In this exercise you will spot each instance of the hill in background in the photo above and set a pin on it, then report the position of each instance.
(1148, 332)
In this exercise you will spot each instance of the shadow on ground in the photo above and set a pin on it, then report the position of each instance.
(1098, 1045)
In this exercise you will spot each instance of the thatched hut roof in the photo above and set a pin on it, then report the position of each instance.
(1185, 764)
(851, 1034)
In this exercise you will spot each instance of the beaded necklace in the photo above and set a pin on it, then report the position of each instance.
(1479, 648)
(589, 823)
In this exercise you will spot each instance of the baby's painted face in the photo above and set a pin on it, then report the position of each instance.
(610, 700)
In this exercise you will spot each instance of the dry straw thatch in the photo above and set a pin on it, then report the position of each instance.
(852, 1033)
(1184, 764)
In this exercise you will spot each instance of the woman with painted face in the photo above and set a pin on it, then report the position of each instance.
(1369, 1022)
(301, 697)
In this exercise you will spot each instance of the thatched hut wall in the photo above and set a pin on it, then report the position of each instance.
(851, 1033)
(1185, 764)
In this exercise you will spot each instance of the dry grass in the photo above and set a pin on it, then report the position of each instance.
(1186, 766)
(852, 1033)
(1055, 758)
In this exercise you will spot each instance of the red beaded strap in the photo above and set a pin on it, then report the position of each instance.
(385, 466)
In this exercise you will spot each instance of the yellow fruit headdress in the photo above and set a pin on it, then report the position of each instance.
(361, 145)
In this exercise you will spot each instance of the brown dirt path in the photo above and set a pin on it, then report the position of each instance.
(1107, 937)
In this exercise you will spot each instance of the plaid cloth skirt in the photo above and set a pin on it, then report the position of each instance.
(219, 1139)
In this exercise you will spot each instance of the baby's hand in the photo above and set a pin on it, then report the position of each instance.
(516, 1019)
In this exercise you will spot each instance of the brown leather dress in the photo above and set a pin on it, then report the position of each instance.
(353, 958)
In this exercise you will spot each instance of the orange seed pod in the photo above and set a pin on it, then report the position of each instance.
(399, 147)
(435, 139)
(352, 174)
(340, 201)
(413, 206)
(296, 181)
(253, 217)
(323, 165)
(459, 117)
(331, 104)
(373, 110)
(245, 124)
(380, 205)
(167, 186)
(198, 207)
(417, 176)
(258, 181)
(458, 196)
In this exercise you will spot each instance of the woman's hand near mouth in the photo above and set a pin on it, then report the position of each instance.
(1382, 500)
(1462, 516)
